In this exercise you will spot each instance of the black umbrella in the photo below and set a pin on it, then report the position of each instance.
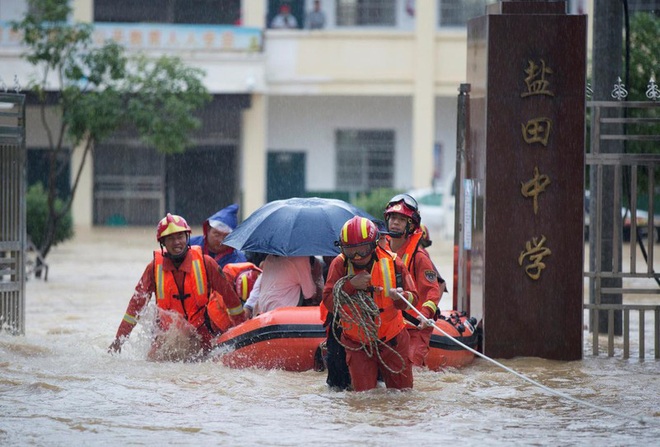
(294, 227)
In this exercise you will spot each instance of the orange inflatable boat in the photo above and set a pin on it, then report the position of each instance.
(287, 338)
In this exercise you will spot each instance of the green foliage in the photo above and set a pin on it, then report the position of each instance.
(374, 201)
(102, 89)
(644, 60)
(644, 53)
(644, 63)
(37, 217)
(164, 94)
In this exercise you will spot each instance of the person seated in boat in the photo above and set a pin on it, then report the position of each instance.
(216, 228)
(193, 296)
(242, 275)
(365, 295)
(255, 257)
(405, 238)
(284, 280)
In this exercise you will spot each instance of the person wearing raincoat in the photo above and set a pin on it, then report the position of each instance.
(215, 229)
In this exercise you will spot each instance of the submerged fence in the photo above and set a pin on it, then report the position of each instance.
(635, 229)
(12, 212)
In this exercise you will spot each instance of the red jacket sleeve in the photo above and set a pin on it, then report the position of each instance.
(143, 290)
(426, 280)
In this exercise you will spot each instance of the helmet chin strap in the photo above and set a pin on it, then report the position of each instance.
(176, 258)
(399, 234)
(180, 256)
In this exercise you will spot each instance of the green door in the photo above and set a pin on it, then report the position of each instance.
(286, 175)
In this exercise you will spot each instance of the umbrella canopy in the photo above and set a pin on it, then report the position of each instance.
(295, 227)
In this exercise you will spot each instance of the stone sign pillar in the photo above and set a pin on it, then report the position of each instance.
(525, 178)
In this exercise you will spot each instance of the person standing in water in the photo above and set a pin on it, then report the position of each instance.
(191, 293)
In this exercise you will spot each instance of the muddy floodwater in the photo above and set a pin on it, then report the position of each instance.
(60, 387)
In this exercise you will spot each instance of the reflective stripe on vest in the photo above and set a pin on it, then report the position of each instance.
(200, 276)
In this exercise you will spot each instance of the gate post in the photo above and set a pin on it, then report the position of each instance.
(527, 68)
(12, 213)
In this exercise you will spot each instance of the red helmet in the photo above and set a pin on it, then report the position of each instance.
(426, 238)
(244, 283)
(171, 224)
(357, 231)
(406, 205)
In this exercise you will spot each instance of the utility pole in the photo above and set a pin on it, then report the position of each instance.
(607, 66)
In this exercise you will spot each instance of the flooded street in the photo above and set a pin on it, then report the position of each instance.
(59, 386)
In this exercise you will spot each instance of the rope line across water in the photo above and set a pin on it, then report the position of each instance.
(524, 377)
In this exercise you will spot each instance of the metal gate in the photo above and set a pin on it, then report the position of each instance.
(12, 213)
(631, 177)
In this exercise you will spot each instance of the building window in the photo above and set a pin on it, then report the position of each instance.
(644, 6)
(209, 12)
(458, 12)
(365, 159)
(366, 12)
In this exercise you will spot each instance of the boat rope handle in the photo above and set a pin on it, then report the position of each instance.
(640, 420)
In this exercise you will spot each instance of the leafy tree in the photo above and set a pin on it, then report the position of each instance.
(101, 89)
(644, 55)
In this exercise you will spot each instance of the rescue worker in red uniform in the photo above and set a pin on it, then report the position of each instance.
(190, 290)
(406, 240)
(368, 307)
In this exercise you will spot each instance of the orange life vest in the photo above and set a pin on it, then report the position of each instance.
(383, 275)
(195, 288)
(411, 246)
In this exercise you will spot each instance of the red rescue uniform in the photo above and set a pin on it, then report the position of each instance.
(184, 290)
(430, 288)
(362, 367)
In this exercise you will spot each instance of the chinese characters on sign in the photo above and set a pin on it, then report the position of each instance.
(174, 36)
(535, 251)
(532, 188)
(535, 81)
(536, 131)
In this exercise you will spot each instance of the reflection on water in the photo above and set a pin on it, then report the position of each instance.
(58, 386)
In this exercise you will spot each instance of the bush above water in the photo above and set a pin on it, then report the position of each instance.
(374, 202)
(37, 217)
